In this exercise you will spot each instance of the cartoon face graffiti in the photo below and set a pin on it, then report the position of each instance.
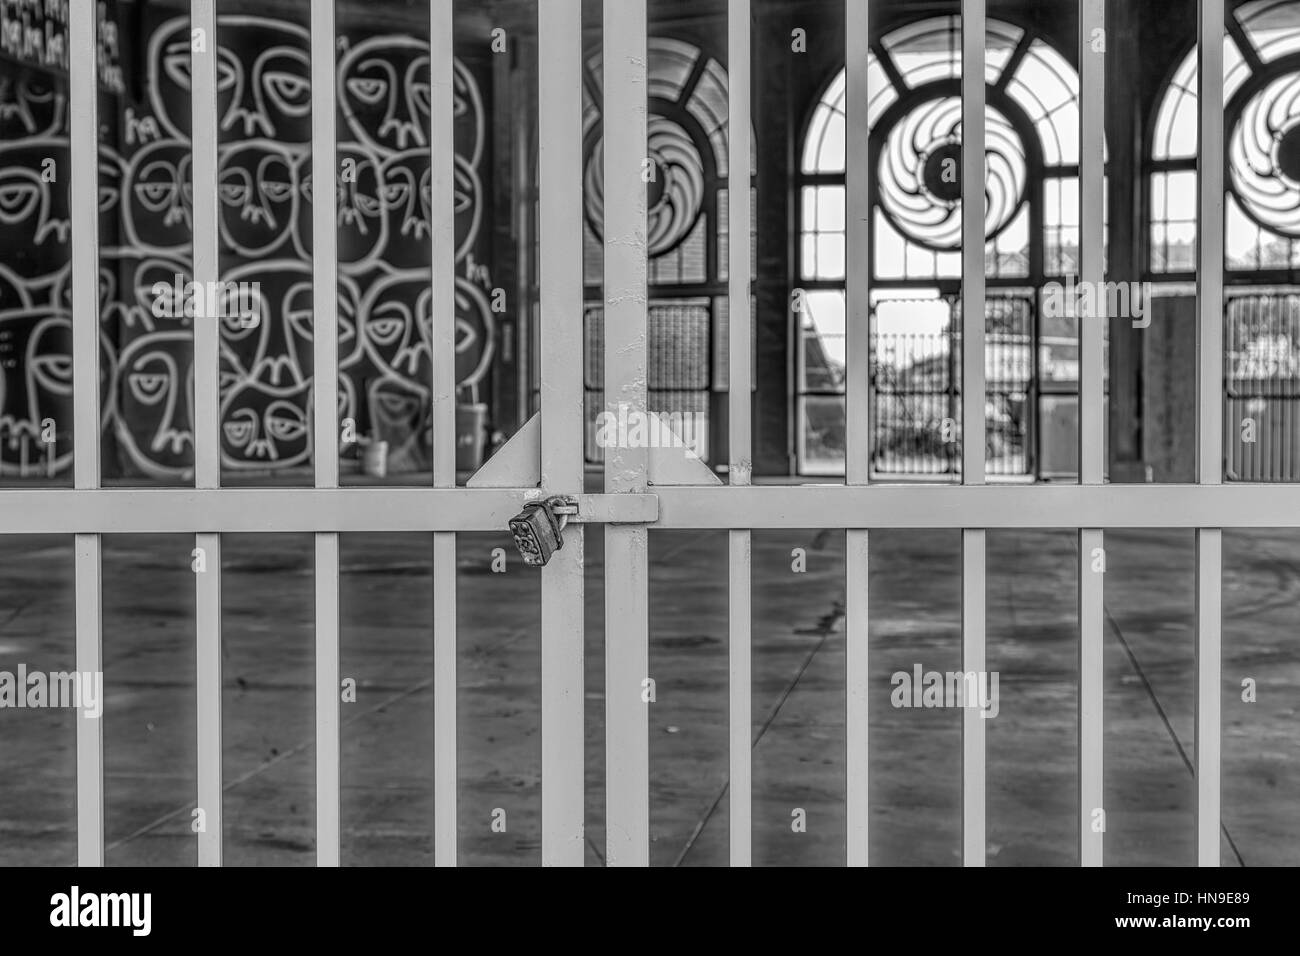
(278, 348)
(405, 206)
(30, 106)
(391, 328)
(128, 285)
(383, 89)
(158, 198)
(467, 116)
(396, 323)
(258, 197)
(362, 227)
(36, 390)
(34, 210)
(156, 384)
(264, 426)
(263, 79)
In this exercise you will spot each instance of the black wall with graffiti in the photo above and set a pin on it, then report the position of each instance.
(264, 210)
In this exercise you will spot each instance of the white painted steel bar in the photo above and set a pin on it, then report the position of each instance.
(1209, 445)
(90, 732)
(444, 698)
(858, 435)
(560, 252)
(207, 330)
(1209, 277)
(443, 238)
(443, 388)
(973, 610)
(627, 656)
(184, 510)
(325, 337)
(1092, 623)
(739, 397)
(740, 684)
(84, 206)
(207, 446)
(739, 223)
(1092, 412)
(207, 612)
(325, 256)
(1209, 618)
(627, 709)
(328, 702)
(972, 241)
(972, 456)
(857, 694)
(1092, 323)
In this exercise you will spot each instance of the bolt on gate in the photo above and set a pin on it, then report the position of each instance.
(643, 488)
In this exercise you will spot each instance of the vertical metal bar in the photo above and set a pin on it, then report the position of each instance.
(1092, 79)
(973, 543)
(84, 206)
(325, 257)
(739, 397)
(1091, 685)
(444, 698)
(207, 448)
(627, 658)
(1209, 617)
(627, 714)
(207, 612)
(325, 336)
(972, 241)
(560, 224)
(1092, 410)
(858, 430)
(443, 221)
(207, 330)
(1209, 446)
(90, 732)
(328, 717)
(972, 456)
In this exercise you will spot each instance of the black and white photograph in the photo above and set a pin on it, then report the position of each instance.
(563, 433)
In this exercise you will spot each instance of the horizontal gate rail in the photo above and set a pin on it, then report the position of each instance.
(179, 510)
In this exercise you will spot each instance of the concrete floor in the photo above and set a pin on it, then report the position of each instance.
(798, 700)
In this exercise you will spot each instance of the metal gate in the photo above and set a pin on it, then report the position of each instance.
(643, 488)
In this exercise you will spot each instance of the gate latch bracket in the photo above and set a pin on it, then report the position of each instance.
(538, 530)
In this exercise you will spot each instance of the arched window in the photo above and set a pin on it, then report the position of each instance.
(914, 258)
(1261, 92)
(686, 232)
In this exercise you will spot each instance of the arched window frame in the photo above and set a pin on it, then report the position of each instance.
(1015, 276)
(1256, 55)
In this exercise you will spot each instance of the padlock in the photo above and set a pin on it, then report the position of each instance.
(539, 529)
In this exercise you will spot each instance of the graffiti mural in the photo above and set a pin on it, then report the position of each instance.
(264, 197)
